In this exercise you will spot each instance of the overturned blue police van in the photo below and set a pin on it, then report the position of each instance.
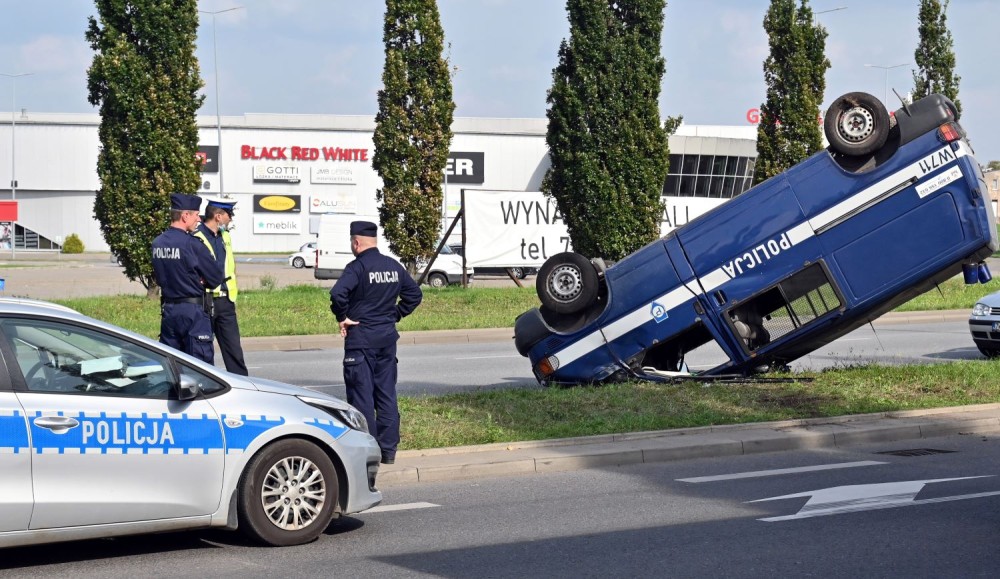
(895, 205)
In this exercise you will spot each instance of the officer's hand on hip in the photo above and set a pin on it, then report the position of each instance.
(348, 322)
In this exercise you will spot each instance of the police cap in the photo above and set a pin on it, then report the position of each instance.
(226, 204)
(363, 228)
(182, 202)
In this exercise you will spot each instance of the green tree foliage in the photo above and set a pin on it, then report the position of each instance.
(145, 79)
(412, 128)
(73, 244)
(795, 73)
(607, 146)
(993, 165)
(935, 54)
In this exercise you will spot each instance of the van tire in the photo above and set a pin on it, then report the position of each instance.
(856, 124)
(437, 280)
(567, 283)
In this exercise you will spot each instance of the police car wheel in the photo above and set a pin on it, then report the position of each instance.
(287, 494)
(856, 124)
(567, 283)
(298, 263)
(437, 280)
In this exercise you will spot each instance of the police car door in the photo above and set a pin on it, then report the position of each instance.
(15, 461)
(108, 443)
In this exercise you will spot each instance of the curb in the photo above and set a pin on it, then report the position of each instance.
(334, 341)
(534, 457)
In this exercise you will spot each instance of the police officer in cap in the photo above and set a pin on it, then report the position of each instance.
(214, 233)
(372, 294)
(184, 268)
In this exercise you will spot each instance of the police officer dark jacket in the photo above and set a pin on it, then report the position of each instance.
(182, 264)
(367, 293)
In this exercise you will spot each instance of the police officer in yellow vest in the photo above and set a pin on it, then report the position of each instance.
(214, 233)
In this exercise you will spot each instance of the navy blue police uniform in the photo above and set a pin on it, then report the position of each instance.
(183, 268)
(225, 325)
(375, 291)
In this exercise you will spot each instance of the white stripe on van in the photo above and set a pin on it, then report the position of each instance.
(795, 235)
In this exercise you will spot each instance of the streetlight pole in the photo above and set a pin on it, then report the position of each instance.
(13, 176)
(885, 95)
(215, 64)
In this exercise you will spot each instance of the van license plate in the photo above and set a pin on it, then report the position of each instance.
(996, 326)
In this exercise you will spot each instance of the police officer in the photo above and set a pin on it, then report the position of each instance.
(214, 233)
(372, 294)
(183, 268)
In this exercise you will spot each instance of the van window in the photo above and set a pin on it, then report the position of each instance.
(795, 302)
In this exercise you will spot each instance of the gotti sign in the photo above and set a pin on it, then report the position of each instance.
(279, 173)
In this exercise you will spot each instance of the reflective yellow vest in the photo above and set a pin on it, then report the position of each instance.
(230, 273)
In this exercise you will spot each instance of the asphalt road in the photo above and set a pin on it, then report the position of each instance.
(845, 512)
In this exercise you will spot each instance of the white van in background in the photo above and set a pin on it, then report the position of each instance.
(333, 252)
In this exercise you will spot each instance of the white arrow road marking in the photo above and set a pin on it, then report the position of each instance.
(401, 507)
(857, 498)
(779, 471)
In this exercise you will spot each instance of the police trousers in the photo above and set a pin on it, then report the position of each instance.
(370, 375)
(188, 328)
(227, 333)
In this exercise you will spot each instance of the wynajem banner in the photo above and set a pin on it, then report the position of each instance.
(524, 228)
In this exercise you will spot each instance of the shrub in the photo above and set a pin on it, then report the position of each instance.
(72, 244)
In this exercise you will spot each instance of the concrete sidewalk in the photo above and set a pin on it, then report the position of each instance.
(905, 428)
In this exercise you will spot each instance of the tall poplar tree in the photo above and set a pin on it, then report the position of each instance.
(412, 128)
(935, 54)
(145, 79)
(795, 73)
(607, 146)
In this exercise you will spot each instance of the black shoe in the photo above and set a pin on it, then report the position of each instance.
(386, 459)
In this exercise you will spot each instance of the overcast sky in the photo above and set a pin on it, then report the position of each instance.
(325, 56)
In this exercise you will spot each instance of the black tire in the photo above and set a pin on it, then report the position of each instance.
(567, 283)
(989, 352)
(518, 272)
(437, 280)
(271, 482)
(298, 263)
(856, 124)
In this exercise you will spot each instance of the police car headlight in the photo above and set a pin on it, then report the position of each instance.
(342, 411)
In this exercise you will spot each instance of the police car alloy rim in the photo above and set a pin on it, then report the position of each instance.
(565, 283)
(293, 493)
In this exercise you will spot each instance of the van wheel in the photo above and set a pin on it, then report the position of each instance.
(437, 280)
(567, 283)
(518, 272)
(856, 124)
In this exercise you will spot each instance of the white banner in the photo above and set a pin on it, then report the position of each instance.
(277, 223)
(524, 228)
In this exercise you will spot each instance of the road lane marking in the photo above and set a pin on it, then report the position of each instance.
(780, 471)
(400, 507)
(857, 498)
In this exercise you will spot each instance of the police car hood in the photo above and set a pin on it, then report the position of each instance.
(275, 387)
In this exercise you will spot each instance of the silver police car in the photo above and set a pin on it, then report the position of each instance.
(104, 432)
(984, 325)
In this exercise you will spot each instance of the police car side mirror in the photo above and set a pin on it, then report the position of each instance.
(188, 388)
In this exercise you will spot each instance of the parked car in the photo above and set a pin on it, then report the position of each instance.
(104, 433)
(984, 324)
(884, 214)
(520, 272)
(304, 257)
